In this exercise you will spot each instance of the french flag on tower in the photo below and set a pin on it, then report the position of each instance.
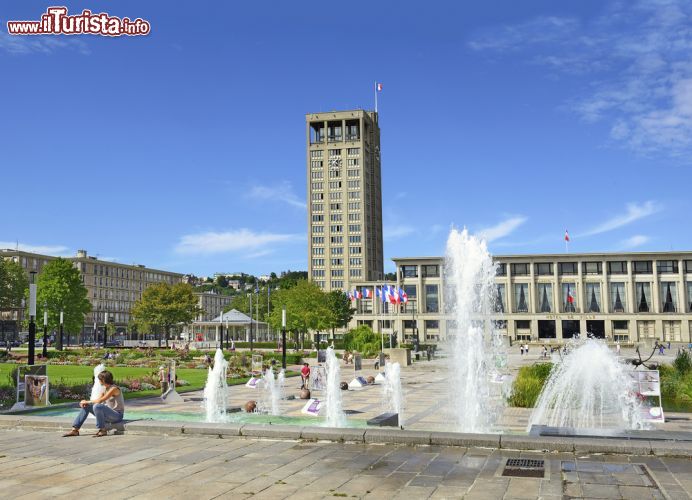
(566, 235)
(379, 87)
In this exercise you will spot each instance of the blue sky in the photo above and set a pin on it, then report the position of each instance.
(185, 149)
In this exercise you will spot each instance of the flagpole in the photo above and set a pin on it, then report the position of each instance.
(375, 96)
(382, 320)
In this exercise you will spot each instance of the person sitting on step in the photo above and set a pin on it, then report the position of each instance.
(108, 408)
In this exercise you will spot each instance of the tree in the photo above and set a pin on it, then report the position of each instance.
(340, 310)
(13, 284)
(59, 287)
(306, 308)
(390, 276)
(164, 305)
(363, 340)
(222, 281)
(241, 302)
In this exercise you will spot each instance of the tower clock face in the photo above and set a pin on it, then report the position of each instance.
(335, 163)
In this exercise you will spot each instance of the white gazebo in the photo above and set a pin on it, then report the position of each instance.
(233, 321)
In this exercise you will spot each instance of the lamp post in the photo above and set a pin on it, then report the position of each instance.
(45, 330)
(415, 326)
(283, 337)
(61, 331)
(32, 318)
(251, 347)
(105, 329)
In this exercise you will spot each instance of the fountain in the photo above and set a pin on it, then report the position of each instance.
(216, 389)
(332, 403)
(588, 389)
(391, 390)
(476, 345)
(271, 392)
(97, 389)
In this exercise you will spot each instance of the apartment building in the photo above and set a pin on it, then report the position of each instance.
(112, 287)
(212, 304)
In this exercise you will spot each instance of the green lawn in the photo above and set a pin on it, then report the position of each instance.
(71, 374)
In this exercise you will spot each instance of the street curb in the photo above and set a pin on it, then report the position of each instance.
(670, 448)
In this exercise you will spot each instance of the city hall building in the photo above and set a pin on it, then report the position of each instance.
(625, 297)
(344, 188)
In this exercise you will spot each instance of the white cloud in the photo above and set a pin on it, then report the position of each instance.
(513, 37)
(636, 64)
(40, 44)
(56, 250)
(633, 213)
(634, 241)
(503, 228)
(393, 232)
(281, 192)
(241, 240)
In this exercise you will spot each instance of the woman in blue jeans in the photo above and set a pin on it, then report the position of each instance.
(109, 408)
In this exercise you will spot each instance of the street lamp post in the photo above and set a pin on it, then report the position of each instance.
(283, 338)
(45, 330)
(251, 346)
(61, 331)
(228, 334)
(105, 329)
(32, 318)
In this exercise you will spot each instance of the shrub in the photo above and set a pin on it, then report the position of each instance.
(529, 384)
(363, 340)
(683, 363)
(147, 387)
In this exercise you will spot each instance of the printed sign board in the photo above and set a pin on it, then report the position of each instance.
(357, 362)
(318, 376)
(22, 371)
(36, 390)
(322, 356)
(312, 407)
(252, 383)
(647, 385)
(257, 364)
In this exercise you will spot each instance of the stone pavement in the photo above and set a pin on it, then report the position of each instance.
(35, 464)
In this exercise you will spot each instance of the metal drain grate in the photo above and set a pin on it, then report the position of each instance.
(524, 467)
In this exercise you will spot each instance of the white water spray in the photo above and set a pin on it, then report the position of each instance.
(271, 393)
(475, 345)
(332, 403)
(391, 390)
(216, 389)
(590, 389)
(97, 389)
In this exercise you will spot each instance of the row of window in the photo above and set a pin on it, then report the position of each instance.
(613, 267)
(333, 153)
(427, 271)
(336, 207)
(591, 301)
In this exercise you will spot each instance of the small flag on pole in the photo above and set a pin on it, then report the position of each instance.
(378, 89)
(367, 293)
(566, 241)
